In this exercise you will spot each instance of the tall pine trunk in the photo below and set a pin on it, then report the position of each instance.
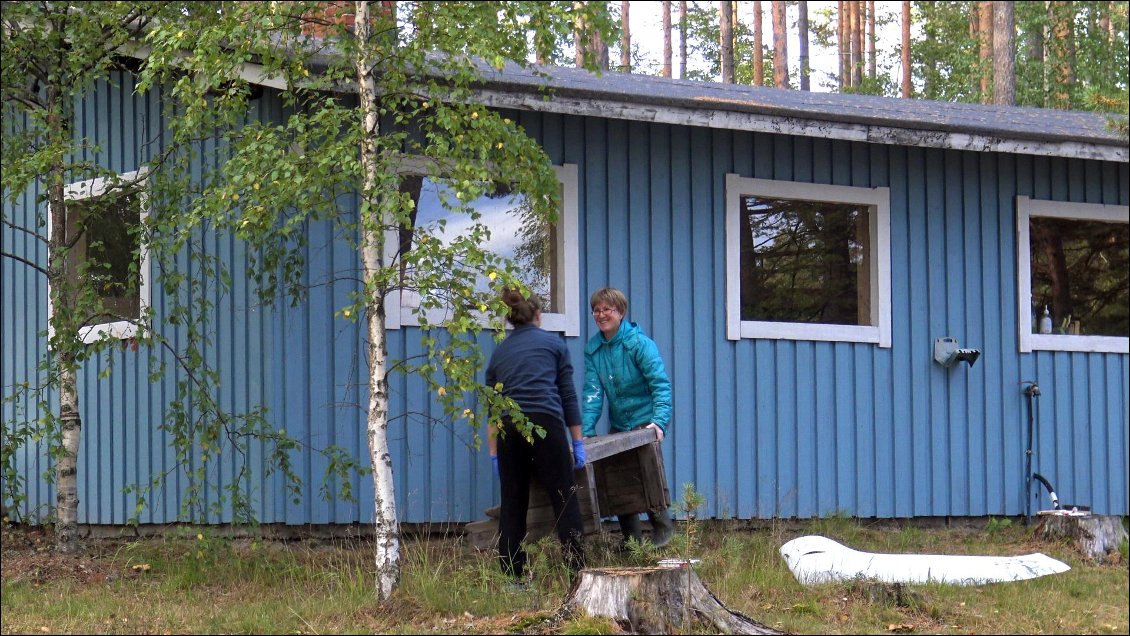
(780, 46)
(1004, 54)
(726, 39)
(666, 38)
(758, 45)
(872, 63)
(1060, 48)
(857, 43)
(802, 29)
(625, 39)
(593, 47)
(387, 530)
(682, 38)
(906, 70)
(985, 42)
(842, 42)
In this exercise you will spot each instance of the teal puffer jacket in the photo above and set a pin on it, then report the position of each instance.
(628, 371)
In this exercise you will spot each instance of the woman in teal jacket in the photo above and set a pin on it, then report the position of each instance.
(624, 366)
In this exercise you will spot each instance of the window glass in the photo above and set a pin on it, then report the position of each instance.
(515, 233)
(1080, 276)
(107, 250)
(805, 261)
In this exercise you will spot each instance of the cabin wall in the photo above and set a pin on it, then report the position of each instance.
(763, 428)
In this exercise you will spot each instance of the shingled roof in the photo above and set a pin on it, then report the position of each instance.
(887, 120)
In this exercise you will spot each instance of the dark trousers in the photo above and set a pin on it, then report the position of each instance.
(549, 460)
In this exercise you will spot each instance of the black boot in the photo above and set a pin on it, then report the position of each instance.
(662, 528)
(630, 528)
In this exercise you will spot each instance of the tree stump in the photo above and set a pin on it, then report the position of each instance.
(1093, 535)
(657, 600)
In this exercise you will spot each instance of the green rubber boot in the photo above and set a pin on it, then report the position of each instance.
(662, 528)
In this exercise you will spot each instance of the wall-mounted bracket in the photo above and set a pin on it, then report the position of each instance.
(947, 352)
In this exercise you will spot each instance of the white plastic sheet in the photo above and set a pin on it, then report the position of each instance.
(815, 559)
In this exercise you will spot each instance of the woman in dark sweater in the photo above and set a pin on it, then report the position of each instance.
(534, 369)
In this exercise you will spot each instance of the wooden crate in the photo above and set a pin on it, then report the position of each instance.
(623, 474)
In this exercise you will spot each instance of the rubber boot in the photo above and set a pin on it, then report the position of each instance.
(662, 528)
(630, 528)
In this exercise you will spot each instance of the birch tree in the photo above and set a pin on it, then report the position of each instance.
(412, 68)
(45, 69)
(89, 220)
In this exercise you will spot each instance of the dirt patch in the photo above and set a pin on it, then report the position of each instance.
(29, 556)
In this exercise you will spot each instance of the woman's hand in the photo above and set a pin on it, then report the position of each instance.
(658, 431)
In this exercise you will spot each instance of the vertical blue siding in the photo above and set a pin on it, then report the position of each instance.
(763, 428)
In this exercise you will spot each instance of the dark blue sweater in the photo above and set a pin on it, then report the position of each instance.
(535, 371)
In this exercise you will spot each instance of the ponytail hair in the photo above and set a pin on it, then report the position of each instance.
(522, 309)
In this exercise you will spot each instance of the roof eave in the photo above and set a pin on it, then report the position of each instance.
(766, 121)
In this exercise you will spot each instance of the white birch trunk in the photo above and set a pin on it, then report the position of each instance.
(60, 318)
(66, 466)
(387, 530)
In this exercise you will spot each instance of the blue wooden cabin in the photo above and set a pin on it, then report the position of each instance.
(774, 417)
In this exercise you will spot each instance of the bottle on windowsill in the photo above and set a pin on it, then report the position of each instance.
(1046, 321)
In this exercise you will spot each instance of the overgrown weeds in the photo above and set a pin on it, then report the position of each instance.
(196, 581)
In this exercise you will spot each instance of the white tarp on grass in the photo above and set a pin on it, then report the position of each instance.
(815, 559)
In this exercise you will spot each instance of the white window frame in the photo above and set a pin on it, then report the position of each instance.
(878, 199)
(92, 189)
(401, 311)
(1025, 209)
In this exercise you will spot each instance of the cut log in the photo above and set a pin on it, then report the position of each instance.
(657, 600)
(1093, 535)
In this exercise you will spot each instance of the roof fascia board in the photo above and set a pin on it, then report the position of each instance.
(753, 122)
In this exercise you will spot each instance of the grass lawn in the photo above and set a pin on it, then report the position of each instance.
(194, 581)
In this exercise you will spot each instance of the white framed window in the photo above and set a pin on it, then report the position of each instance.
(103, 217)
(807, 261)
(1073, 279)
(548, 254)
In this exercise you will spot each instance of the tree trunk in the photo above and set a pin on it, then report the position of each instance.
(907, 89)
(1093, 535)
(985, 41)
(591, 49)
(871, 61)
(682, 38)
(387, 530)
(802, 29)
(666, 38)
(857, 44)
(1004, 54)
(851, 46)
(758, 45)
(780, 46)
(61, 318)
(1061, 50)
(726, 39)
(842, 42)
(657, 600)
(625, 39)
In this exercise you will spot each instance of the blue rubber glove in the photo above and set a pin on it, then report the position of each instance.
(494, 460)
(578, 453)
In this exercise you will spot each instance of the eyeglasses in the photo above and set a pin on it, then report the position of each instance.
(597, 311)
